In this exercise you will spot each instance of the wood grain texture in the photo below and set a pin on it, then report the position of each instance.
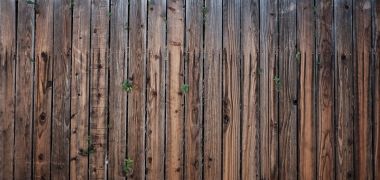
(24, 91)
(136, 98)
(268, 94)
(60, 152)
(213, 90)
(7, 86)
(250, 41)
(43, 88)
(175, 80)
(155, 154)
(195, 12)
(80, 83)
(344, 101)
(118, 66)
(306, 126)
(376, 92)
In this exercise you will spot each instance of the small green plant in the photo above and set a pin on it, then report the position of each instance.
(109, 14)
(90, 149)
(72, 4)
(185, 88)
(128, 166)
(32, 60)
(31, 2)
(277, 83)
(204, 12)
(127, 86)
(298, 55)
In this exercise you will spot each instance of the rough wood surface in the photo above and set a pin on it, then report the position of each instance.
(376, 91)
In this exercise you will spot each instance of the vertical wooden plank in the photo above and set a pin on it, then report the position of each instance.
(305, 57)
(155, 154)
(268, 94)
(325, 90)
(136, 99)
(250, 37)
(24, 91)
(344, 101)
(60, 157)
(80, 90)
(376, 92)
(174, 126)
(213, 90)
(7, 91)
(99, 87)
(195, 12)
(362, 61)
(117, 97)
(43, 92)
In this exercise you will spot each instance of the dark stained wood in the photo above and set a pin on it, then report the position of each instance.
(306, 126)
(80, 90)
(376, 92)
(344, 101)
(268, 93)
(175, 80)
(136, 98)
(250, 37)
(212, 166)
(7, 91)
(43, 88)
(117, 96)
(24, 91)
(155, 154)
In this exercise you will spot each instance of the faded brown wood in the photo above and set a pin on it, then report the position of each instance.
(100, 14)
(175, 80)
(325, 90)
(213, 90)
(60, 152)
(79, 146)
(268, 95)
(305, 57)
(117, 126)
(344, 101)
(43, 88)
(24, 92)
(250, 37)
(155, 154)
(195, 12)
(136, 98)
(7, 85)
(376, 92)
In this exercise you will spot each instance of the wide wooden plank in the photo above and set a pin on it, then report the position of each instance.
(325, 90)
(43, 92)
(250, 37)
(155, 154)
(79, 146)
(213, 90)
(268, 94)
(195, 12)
(305, 57)
(117, 96)
(344, 101)
(60, 152)
(175, 80)
(7, 86)
(99, 87)
(24, 91)
(136, 98)
(376, 91)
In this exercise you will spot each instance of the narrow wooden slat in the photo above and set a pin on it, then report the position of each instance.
(376, 92)
(268, 95)
(117, 97)
(155, 154)
(213, 90)
(43, 88)
(195, 12)
(99, 87)
(305, 57)
(80, 90)
(250, 37)
(7, 91)
(325, 87)
(344, 100)
(175, 80)
(24, 91)
(136, 98)
(60, 157)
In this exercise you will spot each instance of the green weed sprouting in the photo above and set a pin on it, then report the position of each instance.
(31, 2)
(127, 86)
(90, 149)
(277, 83)
(185, 88)
(127, 166)
(204, 12)
(298, 55)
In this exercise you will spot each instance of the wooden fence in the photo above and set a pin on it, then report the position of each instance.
(190, 89)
